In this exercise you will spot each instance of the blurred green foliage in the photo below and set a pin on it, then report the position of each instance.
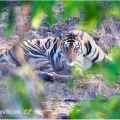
(76, 71)
(107, 70)
(19, 98)
(8, 29)
(39, 9)
(99, 108)
(2, 5)
(93, 12)
(20, 92)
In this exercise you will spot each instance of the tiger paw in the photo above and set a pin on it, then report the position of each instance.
(45, 76)
(49, 77)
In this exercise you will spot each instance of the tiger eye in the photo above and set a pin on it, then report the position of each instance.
(38, 42)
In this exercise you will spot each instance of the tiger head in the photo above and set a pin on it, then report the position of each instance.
(70, 48)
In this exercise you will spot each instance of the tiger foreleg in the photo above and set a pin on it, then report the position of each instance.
(63, 78)
(53, 76)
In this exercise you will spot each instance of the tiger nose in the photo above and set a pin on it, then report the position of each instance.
(70, 61)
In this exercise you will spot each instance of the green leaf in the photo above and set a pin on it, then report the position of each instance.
(8, 29)
(99, 108)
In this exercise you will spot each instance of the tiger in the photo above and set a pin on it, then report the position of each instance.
(47, 57)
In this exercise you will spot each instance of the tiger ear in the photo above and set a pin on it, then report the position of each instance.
(78, 34)
(63, 35)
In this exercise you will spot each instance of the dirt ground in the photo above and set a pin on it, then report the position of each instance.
(60, 98)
